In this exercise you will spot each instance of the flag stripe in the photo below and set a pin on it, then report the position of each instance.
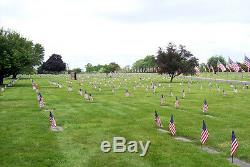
(172, 128)
(234, 144)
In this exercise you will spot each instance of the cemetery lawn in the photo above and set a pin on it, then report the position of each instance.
(227, 76)
(27, 141)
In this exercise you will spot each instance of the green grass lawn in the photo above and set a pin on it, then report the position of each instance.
(227, 75)
(26, 140)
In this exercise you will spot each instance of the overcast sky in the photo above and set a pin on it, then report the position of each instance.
(123, 31)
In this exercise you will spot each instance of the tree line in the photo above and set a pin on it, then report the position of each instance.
(173, 60)
(148, 62)
(21, 55)
(106, 68)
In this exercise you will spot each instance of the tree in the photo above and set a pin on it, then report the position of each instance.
(107, 68)
(28, 59)
(148, 62)
(138, 64)
(212, 61)
(77, 70)
(114, 67)
(93, 69)
(54, 64)
(88, 67)
(202, 67)
(5, 55)
(126, 69)
(17, 54)
(40, 69)
(175, 61)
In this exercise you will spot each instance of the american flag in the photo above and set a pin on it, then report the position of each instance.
(39, 96)
(52, 120)
(228, 67)
(233, 65)
(230, 61)
(204, 133)
(247, 62)
(158, 120)
(205, 106)
(41, 102)
(172, 126)
(221, 66)
(234, 144)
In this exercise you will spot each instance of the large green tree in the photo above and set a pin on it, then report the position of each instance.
(93, 69)
(77, 70)
(148, 62)
(114, 67)
(88, 67)
(138, 64)
(202, 67)
(212, 61)
(17, 54)
(175, 61)
(5, 55)
(106, 68)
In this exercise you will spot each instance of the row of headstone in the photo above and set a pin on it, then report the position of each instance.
(41, 102)
(145, 70)
(56, 84)
(9, 84)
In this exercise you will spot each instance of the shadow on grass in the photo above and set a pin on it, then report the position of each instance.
(164, 105)
(8, 99)
(50, 87)
(174, 82)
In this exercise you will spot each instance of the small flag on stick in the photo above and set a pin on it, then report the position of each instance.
(205, 106)
(247, 62)
(233, 65)
(158, 120)
(172, 126)
(52, 120)
(234, 145)
(221, 66)
(204, 133)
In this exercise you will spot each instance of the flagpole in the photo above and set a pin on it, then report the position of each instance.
(232, 159)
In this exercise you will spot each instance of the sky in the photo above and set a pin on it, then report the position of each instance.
(123, 31)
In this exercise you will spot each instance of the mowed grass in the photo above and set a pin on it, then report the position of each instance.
(241, 76)
(25, 138)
